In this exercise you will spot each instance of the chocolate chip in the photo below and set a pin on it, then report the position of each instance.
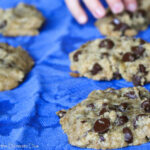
(2, 61)
(142, 42)
(117, 75)
(147, 138)
(136, 119)
(130, 13)
(119, 26)
(3, 24)
(140, 12)
(91, 106)
(107, 43)
(128, 57)
(113, 107)
(102, 139)
(61, 113)
(146, 106)
(122, 27)
(142, 95)
(96, 68)
(131, 95)
(123, 107)
(128, 136)
(138, 50)
(140, 115)
(102, 111)
(105, 104)
(142, 69)
(134, 124)
(136, 80)
(104, 55)
(11, 64)
(121, 120)
(76, 55)
(83, 121)
(102, 125)
(109, 13)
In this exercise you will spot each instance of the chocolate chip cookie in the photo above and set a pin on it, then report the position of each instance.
(15, 63)
(113, 58)
(22, 20)
(126, 23)
(92, 60)
(109, 119)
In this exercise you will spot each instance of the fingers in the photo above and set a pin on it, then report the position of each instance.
(130, 5)
(116, 6)
(95, 7)
(77, 11)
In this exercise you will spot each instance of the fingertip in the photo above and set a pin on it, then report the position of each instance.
(77, 11)
(96, 8)
(117, 7)
(132, 7)
(82, 19)
(100, 13)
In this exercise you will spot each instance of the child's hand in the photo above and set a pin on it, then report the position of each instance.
(97, 8)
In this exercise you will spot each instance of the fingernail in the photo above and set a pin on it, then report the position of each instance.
(99, 13)
(132, 7)
(82, 19)
(117, 7)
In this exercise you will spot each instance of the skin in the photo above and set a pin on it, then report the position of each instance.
(97, 9)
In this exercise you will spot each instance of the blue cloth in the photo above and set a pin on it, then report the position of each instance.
(27, 113)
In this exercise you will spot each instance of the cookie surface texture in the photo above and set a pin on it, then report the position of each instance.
(109, 119)
(20, 21)
(15, 63)
(126, 23)
(113, 58)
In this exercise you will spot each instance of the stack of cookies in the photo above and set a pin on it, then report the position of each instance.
(113, 118)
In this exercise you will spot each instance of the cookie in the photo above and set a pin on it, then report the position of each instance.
(126, 23)
(92, 60)
(113, 58)
(20, 21)
(109, 119)
(15, 63)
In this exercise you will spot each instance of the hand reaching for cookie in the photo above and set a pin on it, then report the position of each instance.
(97, 9)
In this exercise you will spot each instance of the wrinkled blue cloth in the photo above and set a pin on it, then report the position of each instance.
(27, 113)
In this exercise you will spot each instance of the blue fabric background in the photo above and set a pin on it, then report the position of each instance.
(27, 113)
